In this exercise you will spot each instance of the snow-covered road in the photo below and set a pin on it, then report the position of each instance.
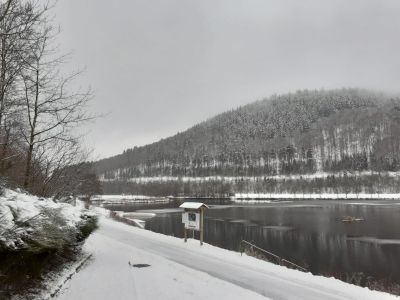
(178, 270)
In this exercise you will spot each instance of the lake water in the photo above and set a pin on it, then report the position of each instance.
(309, 233)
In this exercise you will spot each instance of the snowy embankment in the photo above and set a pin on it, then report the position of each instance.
(309, 176)
(28, 221)
(327, 196)
(123, 199)
(132, 263)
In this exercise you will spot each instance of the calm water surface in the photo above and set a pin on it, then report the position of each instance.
(310, 233)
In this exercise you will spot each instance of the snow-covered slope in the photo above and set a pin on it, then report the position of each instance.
(179, 270)
(23, 218)
(298, 133)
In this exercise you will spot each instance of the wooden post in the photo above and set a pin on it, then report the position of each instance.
(185, 231)
(201, 226)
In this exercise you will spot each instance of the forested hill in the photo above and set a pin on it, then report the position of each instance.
(298, 133)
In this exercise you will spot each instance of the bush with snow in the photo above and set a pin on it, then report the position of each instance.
(39, 224)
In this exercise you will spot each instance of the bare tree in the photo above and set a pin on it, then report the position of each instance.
(52, 110)
(5, 8)
(17, 21)
(57, 164)
(39, 109)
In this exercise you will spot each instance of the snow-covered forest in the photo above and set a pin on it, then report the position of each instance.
(341, 133)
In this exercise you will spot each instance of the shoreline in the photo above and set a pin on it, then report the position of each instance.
(244, 197)
(116, 244)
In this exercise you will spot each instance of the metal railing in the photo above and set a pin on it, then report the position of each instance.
(276, 259)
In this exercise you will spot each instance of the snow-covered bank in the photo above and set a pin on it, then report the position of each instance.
(185, 270)
(123, 199)
(112, 275)
(23, 218)
(38, 238)
(316, 196)
(309, 176)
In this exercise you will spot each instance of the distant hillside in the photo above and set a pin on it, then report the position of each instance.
(300, 133)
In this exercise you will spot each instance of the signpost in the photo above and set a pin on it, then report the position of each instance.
(193, 218)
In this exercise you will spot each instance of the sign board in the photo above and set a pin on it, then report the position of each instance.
(191, 220)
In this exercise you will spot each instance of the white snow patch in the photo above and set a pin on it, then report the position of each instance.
(309, 176)
(373, 240)
(267, 196)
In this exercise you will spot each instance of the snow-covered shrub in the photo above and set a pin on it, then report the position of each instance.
(39, 224)
(87, 226)
(37, 237)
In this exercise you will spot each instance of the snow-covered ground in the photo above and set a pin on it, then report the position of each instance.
(122, 199)
(254, 196)
(22, 217)
(250, 178)
(179, 270)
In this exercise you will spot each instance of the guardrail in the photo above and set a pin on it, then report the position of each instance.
(276, 259)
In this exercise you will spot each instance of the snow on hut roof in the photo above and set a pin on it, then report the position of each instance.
(193, 205)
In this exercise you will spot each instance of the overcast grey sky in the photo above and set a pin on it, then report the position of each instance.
(160, 66)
